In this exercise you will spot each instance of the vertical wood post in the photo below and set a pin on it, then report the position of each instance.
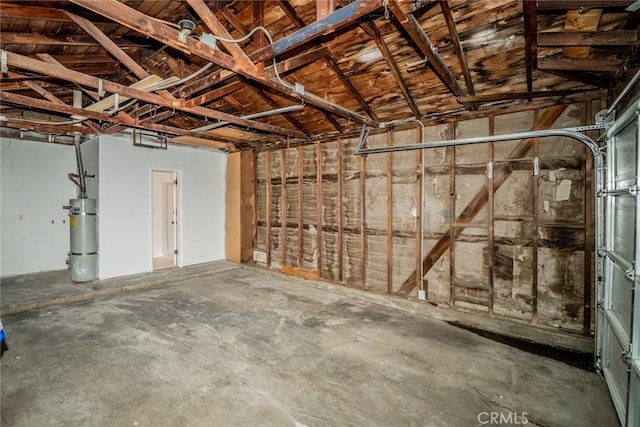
(339, 214)
(389, 215)
(535, 225)
(300, 210)
(363, 221)
(452, 226)
(283, 206)
(268, 211)
(419, 203)
(319, 173)
(490, 204)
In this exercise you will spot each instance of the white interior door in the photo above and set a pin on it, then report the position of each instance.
(165, 219)
(619, 300)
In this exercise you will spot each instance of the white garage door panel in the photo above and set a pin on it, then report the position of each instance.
(618, 325)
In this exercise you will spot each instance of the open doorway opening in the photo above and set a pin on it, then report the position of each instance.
(164, 219)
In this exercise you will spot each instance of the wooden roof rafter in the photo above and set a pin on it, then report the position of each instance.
(290, 11)
(135, 20)
(530, 40)
(97, 115)
(412, 27)
(372, 30)
(63, 73)
(457, 46)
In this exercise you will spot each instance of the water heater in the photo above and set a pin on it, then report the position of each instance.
(83, 256)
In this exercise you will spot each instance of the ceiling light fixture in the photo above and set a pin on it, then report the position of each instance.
(187, 27)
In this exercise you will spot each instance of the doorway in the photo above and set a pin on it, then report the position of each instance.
(164, 219)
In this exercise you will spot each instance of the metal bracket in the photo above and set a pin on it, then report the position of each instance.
(4, 67)
(626, 357)
(116, 104)
(630, 273)
(633, 191)
(490, 170)
(602, 251)
(101, 91)
(536, 166)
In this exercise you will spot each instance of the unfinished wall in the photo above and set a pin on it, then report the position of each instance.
(35, 228)
(505, 224)
(125, 205)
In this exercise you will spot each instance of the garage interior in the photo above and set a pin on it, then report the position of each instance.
(319, 212)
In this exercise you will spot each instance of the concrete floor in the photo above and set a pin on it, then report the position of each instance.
(238, 346)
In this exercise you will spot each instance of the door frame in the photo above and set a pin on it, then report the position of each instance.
(177, 229)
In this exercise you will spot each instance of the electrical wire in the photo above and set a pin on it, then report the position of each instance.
(246, 37)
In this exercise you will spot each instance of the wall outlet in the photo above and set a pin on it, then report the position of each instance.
(260, 256)
(422, 295)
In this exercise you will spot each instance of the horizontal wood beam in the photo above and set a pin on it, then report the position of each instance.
(144, 24)
(338, 19)
(582, 4)
(589, 38)
(493, 97)
(97, 115)
(12, 10)
(7, 37)
(63, 73)
(578, 64)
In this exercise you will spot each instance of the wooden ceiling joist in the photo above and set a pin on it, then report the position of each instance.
(455, 39)
(144, 24)
(530, 40)
(581, 4)
(412, 27)
(218, 29)
(63, 73)
(372, 30)
(496, 97)
(55, 40)
(331, 63)
(339, 19)
(589, 38)
(583, 64)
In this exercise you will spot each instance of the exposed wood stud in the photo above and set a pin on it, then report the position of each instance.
(582, 64)
(535, 145)
(420, 204)
(363, 221)
(233, 20)
(389, 214)
(452, 219)
(320, 207)
(268, 202)
(481, 198)
(283, 206)
(340, 212)
(490, 203)
(300, 206)
(530, 40)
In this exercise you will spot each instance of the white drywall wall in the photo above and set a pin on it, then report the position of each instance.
(125, 205)
(34, 187)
